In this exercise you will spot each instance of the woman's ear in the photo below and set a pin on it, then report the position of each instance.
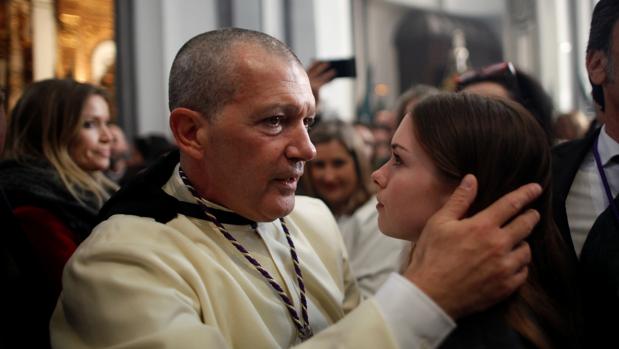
(185, 125)
(596, 66)
(448, 189)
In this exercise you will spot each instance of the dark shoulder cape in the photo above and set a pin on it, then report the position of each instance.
(143, 196)
(36, 183)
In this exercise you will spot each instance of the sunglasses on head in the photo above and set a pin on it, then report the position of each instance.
(499, 72)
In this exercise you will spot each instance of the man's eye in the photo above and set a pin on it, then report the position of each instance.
(309, 122)
(274, 121)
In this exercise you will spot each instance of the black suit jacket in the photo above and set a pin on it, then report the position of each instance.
(598, 267)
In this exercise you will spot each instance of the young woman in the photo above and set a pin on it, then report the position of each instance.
(437, 144)
(57, 145)
(340, 176)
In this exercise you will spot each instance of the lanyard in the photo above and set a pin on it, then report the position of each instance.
(302, 324)
(609, 194)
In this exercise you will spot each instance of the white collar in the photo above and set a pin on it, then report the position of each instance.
(607, 147)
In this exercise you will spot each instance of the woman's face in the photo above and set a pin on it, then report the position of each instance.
(333, 173)
(91, 150)
(410, 189)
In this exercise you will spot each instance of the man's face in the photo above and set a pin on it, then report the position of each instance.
(256, 146)
(611, 85)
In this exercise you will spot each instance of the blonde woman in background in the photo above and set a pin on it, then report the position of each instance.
(57, 145)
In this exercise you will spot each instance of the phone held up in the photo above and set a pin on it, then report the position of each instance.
(343, 67)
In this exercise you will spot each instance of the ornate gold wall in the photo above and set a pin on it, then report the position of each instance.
(82, 25)
(15, 47)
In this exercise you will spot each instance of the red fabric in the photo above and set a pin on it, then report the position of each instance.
(51, 241)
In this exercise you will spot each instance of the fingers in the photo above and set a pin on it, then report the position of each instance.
(520, 257)
(520, 227)
(318, 69)
(324, 78)
(510, 204)
(461, 199)
(516, 281)
(315, 66)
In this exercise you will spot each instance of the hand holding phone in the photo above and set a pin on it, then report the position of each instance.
(343, 67)
(321, 72)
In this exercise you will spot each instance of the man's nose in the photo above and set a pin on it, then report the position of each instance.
(301, 147)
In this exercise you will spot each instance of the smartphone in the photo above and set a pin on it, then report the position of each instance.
(343, 67)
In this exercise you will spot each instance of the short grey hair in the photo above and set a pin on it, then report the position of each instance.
(203, 75)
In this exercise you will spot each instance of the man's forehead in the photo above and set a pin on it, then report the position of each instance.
(269, 70)
(255, 53)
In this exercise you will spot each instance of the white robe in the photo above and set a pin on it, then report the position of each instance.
(137, 283)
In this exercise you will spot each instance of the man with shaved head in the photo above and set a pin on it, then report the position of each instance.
(210, 248)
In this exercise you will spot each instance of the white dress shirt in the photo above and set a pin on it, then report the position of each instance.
(587, 198)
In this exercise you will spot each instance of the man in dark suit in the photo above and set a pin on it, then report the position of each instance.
(586, 179)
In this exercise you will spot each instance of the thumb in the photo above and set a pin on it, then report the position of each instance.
(460, 200)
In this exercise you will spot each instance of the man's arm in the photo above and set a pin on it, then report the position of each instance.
(466, 265)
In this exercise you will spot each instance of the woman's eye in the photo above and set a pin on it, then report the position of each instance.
(339, 163)
(88, 124)
(318, 164)
(396, 159)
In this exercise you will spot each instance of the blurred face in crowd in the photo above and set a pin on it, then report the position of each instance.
(409, 187)
(386, 118)
(368, 140)
(382, 143)
(611, 83)
(603, 70)
(91, 149)
(333, 173)
(121, 152)
(255, 148)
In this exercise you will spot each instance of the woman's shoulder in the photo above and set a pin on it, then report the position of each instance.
(27, 177)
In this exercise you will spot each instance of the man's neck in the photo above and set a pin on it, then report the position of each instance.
(611, 120)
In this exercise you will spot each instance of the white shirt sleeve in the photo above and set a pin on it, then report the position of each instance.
(416, 321)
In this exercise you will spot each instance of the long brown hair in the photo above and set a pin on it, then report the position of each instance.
(504, 147)
(43, 125)
(347, 136)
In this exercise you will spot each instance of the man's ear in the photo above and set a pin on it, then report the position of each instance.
(186, 125)
(596, 66)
